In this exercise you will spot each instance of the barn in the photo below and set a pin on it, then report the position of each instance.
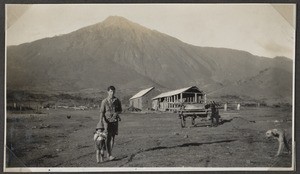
(142, 99)
(170, 101)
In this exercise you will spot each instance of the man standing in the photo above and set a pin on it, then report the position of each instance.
(109, 118)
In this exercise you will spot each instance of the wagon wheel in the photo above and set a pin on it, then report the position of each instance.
(208, 115)
(182, 121)
(193, 120)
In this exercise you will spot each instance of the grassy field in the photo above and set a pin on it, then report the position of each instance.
(148, 140)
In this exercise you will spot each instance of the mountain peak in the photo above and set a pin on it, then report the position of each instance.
(118, 21)
(111, 19)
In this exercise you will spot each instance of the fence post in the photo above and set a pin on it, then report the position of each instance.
(225, 107)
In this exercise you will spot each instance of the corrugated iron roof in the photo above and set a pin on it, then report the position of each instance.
(141, 93)
(174, 92)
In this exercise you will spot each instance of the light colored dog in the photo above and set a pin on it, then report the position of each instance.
(280, 135)
(100, 144)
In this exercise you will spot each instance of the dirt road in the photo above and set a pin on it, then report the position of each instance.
(148, 140)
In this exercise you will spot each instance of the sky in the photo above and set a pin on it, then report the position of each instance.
(262, 29)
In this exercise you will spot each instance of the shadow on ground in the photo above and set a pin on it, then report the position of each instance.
(171, 147)
(208, 124)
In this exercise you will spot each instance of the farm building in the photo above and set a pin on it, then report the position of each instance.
(170, 101)
(142, 99)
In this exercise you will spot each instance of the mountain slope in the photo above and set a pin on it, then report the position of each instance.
(130, 56)
(270, 84)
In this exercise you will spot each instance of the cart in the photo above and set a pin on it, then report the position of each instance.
(193, 110)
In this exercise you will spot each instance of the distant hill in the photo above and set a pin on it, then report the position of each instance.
(132, 57)
(272, 85)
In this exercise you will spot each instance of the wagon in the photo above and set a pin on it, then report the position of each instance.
(193, 110)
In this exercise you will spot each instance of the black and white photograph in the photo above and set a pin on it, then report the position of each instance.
(105, 87)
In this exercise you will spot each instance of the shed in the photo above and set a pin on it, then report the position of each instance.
(142, 99)
(173, 99)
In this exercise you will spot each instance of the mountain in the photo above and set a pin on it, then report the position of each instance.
(130, 56)
(272, 84)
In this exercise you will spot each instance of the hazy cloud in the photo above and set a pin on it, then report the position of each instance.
(278, 49)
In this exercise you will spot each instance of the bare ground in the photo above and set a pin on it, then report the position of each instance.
(148, 140)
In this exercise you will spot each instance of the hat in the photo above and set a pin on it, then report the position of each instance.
(99, 125)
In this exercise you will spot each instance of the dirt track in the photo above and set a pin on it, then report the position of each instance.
(148, 140)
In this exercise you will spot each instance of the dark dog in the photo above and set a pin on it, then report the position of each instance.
(100, 144)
